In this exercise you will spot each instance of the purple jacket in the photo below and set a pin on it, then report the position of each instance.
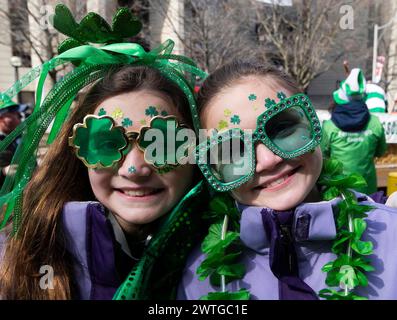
(101, 257)
(97, 248)
(313, 230)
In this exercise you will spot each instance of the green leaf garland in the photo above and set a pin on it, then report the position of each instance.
(242, 294)
(347, 271)
(223, 249)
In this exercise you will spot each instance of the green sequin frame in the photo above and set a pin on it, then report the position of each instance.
(259, 135)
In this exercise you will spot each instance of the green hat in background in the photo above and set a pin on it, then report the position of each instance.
(6, 102)
(375, 98)
(353, 86)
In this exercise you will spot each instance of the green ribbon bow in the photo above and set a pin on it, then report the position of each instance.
(172, 66)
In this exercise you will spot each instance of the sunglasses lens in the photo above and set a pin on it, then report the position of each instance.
(229, 160)
(104, 146)
(166, 143)
(98, 144)
(290, 130)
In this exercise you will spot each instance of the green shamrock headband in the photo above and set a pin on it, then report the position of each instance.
(99, 143)
(289, 128)
(92, 63)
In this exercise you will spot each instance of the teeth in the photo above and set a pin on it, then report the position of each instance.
(278, 181)
(139, 193)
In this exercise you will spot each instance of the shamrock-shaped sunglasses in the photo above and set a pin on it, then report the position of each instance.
(99, 143)
(289, 129)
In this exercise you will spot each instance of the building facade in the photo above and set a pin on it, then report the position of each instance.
(162, 20)
(357, 45)
(20, 18)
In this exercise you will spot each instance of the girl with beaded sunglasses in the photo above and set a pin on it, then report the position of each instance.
(286, 223)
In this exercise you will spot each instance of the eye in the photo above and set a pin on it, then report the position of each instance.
(107, 144)
(285, 123)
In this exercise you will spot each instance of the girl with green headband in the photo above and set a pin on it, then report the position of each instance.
(99, 218)
(286, 223)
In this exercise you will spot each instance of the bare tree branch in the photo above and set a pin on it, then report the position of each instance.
(214, 31)
(301, 39)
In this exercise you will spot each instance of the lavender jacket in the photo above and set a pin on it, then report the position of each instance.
(99, 251)
(313, 242)
(97, 246)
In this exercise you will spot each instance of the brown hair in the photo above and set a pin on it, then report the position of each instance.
(62, 178)
(235, 71)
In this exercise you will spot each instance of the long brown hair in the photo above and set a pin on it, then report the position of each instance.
(235, 71)
(60, 178)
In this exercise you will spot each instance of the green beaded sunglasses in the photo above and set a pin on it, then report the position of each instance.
(100, 143)
(289, 129)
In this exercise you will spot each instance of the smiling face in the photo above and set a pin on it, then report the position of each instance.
(133, 191)
(278, 184)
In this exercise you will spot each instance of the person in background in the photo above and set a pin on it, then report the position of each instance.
(353, 135)
(10, 118)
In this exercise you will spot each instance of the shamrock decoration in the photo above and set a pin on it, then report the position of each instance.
(252, 97)
(101, 112)
(131, 169)
(164, 113)
(98, 142)
(222, 124)
(227, 112)
(269, 103)
(127, 122)
(93, 28)
(281, 95)
(117, 113)
(160, 154)
(235, 119)
(151, 111)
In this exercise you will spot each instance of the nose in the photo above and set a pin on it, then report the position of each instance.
(265, 158)
(134, 165)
